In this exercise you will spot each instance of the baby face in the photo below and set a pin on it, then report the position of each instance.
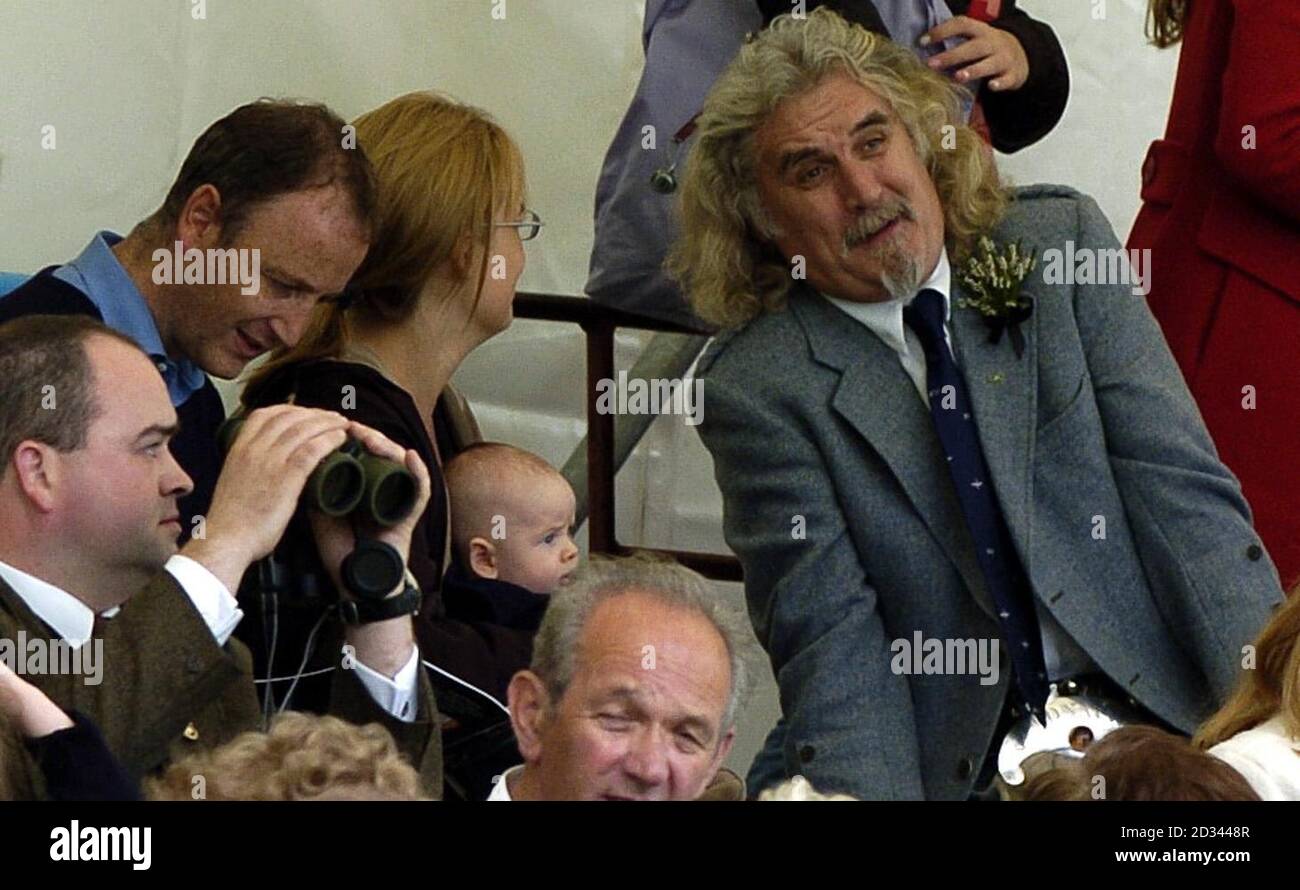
(538, 552)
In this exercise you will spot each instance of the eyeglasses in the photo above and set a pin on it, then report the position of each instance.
(529, 227)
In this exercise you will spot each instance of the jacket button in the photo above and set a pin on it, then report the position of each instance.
(193, 664)
(965, 767)
(1254, 552)
(192, 732)
(807, 753)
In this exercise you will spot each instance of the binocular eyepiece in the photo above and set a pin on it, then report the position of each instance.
(350, 480)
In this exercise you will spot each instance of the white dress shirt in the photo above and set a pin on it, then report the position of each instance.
(501, 790)
(885, 320)
(73, 621)
(1268, 757)
(1062, 655)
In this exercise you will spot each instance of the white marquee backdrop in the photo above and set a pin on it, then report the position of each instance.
(127, 85)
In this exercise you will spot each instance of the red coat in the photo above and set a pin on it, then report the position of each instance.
(1222, 221)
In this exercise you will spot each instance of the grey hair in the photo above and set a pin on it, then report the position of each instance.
(723, 256)
(604, 578)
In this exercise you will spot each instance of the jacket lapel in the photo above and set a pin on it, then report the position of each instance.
(1004, 392)
(877, 398)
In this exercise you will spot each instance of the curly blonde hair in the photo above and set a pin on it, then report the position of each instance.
(303, 757)
(728, 270)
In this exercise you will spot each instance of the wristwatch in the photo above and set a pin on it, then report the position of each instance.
(369, 572)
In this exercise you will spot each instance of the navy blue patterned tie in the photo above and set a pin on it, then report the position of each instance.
(950, 408)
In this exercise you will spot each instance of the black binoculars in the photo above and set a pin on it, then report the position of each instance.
(351, 480)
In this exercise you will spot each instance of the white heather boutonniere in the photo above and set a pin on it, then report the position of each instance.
(993, 280)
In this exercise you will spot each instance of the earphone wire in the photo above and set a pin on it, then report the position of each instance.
(308, 651)
(271, 604)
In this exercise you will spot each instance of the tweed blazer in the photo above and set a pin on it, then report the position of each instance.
(166, 687)
(839, 504)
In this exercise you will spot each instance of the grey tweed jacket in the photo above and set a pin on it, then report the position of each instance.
(815, 427)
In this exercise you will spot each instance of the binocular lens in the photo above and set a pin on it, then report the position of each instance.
(351, 478)
(337, 485)
(392, 491)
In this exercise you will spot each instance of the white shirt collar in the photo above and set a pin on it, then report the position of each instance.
(66, 615)
(501, 791)
(885, 319)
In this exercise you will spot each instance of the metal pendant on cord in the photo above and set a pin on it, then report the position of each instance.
(664, 180)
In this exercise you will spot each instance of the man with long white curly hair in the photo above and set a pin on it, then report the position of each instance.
(958, 462)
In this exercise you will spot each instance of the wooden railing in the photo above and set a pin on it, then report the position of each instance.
(599, 324)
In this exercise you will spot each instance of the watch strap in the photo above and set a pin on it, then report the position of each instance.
(361, 611)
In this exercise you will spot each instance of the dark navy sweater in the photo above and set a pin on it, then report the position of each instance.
(472, 598)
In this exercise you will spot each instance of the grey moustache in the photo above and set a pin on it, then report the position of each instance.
(868, 225)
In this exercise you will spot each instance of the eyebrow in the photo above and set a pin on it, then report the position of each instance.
(291, 280)
(794, 158)
(874, 119)
(158, 429)
(798, 156)
(699, 724)
(622, 693)
(629, 694)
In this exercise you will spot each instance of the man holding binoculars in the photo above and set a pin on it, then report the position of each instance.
(88, 491)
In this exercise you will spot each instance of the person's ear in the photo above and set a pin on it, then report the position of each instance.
(38, 474)
(483, 558)
(529, 703)
(199, 222)
(466, 257)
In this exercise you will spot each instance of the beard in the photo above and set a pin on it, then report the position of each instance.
(900, 271)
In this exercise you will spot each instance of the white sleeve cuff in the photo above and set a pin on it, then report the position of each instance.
(396, 696)
(220, 611)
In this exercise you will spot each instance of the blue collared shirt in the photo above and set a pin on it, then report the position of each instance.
(97, 274)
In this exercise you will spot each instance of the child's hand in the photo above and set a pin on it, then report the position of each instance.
(987, 52)
(29, 709)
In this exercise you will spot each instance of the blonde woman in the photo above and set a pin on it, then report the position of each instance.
(439, 280)
(1258, 731)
